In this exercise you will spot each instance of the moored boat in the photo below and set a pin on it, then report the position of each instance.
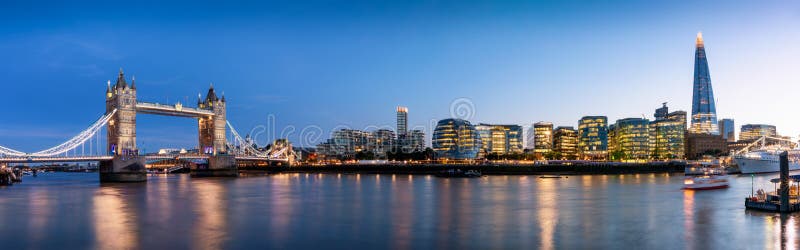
(765, 161)
(458, 173)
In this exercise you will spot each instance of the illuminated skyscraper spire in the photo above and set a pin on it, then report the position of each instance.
(704, 111)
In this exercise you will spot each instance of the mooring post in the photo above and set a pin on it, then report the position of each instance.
(784, 191)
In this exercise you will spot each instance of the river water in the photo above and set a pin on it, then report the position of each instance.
(358, 211)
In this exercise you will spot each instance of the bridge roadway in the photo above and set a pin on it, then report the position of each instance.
(171, 110)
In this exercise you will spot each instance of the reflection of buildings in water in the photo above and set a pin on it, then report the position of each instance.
(401, 213)
(281, 206)
(524, 209)
(546, 213)
(788, 232)
(783, 229)
(41, 211)
(464, 215)
(688, 219)
(210, 227)
(699, 222)
(114, 220)
(443, 200)
(160, 199)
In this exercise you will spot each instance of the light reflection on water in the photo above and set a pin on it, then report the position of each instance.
(115, 220)
(302, 211)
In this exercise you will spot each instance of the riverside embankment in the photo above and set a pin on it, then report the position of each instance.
(490, 169)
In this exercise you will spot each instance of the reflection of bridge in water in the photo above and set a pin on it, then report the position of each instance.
(119, 157)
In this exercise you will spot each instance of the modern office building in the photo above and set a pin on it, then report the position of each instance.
(408, 141)
(455, 139)
(414, 141)
(345, 143)
(499, 139)
(402, 120)
(756, 131)
(381, 142)
(565, 143)
(704, 110)
(530, 138)
(613, 144)
(543, 138)
(727, 130)
(668, 134)
(630, 140)
(593, 137)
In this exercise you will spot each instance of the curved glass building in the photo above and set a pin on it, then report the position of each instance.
(456, 139)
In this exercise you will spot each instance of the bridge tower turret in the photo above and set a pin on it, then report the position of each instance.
(212, 128)
(126, 165)
(122, 126)
(212, 131)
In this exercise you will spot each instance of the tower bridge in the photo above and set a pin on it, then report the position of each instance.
(120, 161)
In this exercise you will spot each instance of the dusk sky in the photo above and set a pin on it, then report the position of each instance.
(331, 64)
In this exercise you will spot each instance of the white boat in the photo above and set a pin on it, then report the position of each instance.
(765, 161)
(706, 182)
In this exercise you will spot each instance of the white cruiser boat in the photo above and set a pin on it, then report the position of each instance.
(765, 161)
(706, 182)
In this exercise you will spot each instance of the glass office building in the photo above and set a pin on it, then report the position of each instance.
(543, 137)
(499, 139)
(668, 134)
(631, 139)
(455, 139)
(704, 110)
(756, 131)
(565, 143)
(593, 137)
(727, 129)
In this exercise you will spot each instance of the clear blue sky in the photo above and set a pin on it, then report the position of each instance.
(331, 63)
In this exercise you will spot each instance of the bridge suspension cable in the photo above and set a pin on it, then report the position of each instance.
(76, 141)
(10, 152)
(243, 144)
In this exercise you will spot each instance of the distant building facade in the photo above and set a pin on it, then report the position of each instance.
(565, 143)
(414, 141)
(668, 134)
(698, 145)
(530, 139)
(755, 131)
(455, 139)
(727, 130)
(593, 137)
(543, 138)
(499, 139)
(402, 121)
(381, 142)
(631, 139)
(345, 143)
(408, 141)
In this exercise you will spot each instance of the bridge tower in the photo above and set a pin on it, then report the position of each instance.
(212, 130)
(126, 165)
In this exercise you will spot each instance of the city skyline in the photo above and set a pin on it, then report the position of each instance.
(53, 66)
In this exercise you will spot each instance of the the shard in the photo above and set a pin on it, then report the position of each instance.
(704, 111)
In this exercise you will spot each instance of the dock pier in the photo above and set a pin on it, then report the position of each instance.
(781, 201)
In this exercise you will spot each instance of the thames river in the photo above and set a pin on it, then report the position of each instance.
(358, 211)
